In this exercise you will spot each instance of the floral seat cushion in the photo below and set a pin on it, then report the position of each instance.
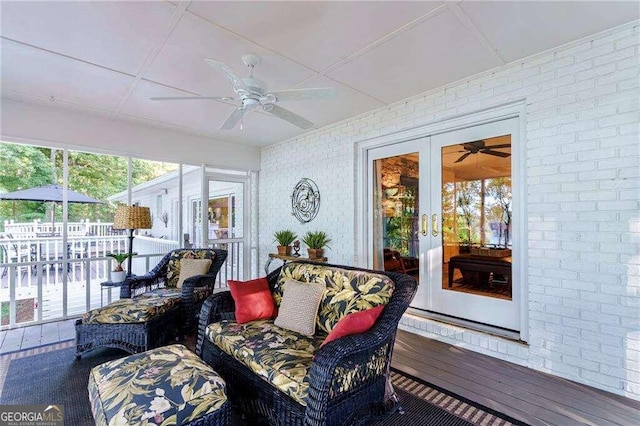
(168, 385)
(136, 310)
(199, 293)
(348, 291)
(279, 356)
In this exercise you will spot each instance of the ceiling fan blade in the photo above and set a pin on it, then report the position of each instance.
(300, 94)
(504, 145)
(463, 157)
(233, 119)
(182, 98)
(238, 83)
(287, 115)
(496, 153)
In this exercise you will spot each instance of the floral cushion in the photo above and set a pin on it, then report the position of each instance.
(163, 292)
(168, 385)
(199, 293)
(281, 357)
(139, 309)
(347, 291)
(173, 268)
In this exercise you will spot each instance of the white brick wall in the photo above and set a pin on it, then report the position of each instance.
(583, 195)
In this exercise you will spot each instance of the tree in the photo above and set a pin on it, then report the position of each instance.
(23, 167)
(468, 206)
(500, 190)
(96, 175)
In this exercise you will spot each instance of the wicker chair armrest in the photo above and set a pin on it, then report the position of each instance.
(348, 351)
(357, 349)
(190, 283)
(218, 306)
(131, 284)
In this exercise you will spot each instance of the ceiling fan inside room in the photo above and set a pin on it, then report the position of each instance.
(480, 146)
(252, 93)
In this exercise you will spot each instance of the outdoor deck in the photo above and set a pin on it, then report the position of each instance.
(522, 393)
(527, 395)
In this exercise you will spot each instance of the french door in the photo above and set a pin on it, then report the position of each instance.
(442, 211)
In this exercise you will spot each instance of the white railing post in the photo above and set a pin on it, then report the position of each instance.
(12, 296)
(40, 295)
(87, 276)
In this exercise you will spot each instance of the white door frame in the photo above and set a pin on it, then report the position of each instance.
(510, 110)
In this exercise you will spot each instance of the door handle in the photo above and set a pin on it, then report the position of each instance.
(434, 225)
(424, 225)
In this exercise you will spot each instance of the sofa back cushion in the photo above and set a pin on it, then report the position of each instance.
(173, 267)
(348, 290)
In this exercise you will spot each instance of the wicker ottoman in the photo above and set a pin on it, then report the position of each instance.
(134, 325)
(168, 385)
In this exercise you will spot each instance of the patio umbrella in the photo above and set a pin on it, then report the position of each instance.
(49, 193)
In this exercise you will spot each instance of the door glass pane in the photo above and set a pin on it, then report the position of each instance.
(395, 213)
(225, 210)
(476, 217)
(224, 221)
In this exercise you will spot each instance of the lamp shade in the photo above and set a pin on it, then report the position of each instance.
(132, 217)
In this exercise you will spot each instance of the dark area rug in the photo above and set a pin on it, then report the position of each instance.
(51, 375)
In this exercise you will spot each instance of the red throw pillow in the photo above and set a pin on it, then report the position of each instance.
(355, 323)
(253, 300)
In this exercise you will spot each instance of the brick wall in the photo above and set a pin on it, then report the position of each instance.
(582, 155)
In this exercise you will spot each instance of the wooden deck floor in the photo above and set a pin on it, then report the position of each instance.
(527, 395)
(36, 335)
(522, 393)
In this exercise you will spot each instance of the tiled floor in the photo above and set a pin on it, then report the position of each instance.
(36, 335)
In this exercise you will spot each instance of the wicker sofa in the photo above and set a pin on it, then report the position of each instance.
(286, 377)
(162, 279)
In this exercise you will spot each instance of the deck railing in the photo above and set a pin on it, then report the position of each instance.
(41, 281)
(75, 229)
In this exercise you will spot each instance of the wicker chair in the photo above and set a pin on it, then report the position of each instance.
(194, 289)
(327, 402)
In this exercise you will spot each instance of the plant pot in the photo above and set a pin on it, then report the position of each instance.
(284, 250)
(118, 276)
(315, 253)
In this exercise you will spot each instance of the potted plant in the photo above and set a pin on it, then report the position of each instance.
(316, 242)
(119, 274)
(284, 239)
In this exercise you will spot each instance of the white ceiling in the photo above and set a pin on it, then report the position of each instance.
(110, 57)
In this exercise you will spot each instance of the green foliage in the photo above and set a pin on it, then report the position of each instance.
(22, 167)
(316, 240)
(285, 237)
(119, 258)
(96, 175)
(469, 210)
(400, 229)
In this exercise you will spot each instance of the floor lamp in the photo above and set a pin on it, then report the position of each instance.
(132, 218)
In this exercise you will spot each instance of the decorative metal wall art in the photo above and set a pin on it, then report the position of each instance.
(305, 200)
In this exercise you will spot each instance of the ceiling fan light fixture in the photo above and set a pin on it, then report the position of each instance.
(252, 92)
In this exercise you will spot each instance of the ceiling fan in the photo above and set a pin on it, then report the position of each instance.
(480, 147)
(252, 93)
